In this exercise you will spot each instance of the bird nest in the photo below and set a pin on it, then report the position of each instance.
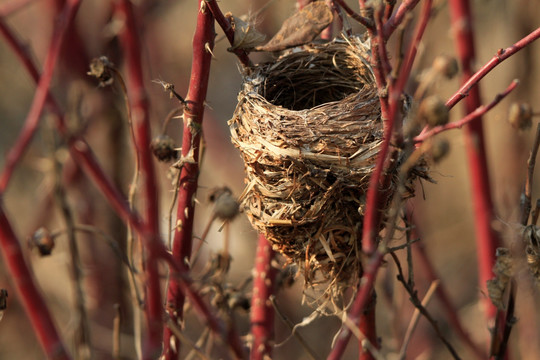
(309, 129)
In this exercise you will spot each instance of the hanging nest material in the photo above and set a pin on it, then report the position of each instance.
(309, 129)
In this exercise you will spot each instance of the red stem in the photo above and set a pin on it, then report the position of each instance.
(262, 312)
(397, 18)
(367, 326)
(362, 20)
(32, 120)
(374, 195)
(501, 55)
(141, 128)
(29, 295)
(487, 240)
(476, 114)
(203, 43)
(227, 29)
(360, 302)
(84, 156)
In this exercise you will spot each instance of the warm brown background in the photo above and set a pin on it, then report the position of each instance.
(444, 210)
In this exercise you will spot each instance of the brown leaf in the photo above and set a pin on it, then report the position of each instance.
(301, 28)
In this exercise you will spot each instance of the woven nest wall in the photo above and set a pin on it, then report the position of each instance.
(308, 127)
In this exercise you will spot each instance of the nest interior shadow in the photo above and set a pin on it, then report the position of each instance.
(294, 86)
(308, 127)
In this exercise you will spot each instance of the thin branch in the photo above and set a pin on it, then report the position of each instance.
(261, 311)
(476, 114)
(487, 239)
(502, 54)
(415, 318)
(416, 302)
(42, 91)
(395, 20)
(368, 23)
(227, 29)
(29, 295)
(310, 352)
(360, 302)
(142, 137)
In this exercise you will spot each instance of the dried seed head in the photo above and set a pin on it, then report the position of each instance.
(520, 116)
(102, 69)
(42, 240)
(439, 150)
(225, 205)
(446, 65)
(163, 148)
(433, 112)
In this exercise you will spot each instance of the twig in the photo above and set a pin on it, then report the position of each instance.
(82, 333)
(388, 9)
(442, 293)
(475, 115)
(359, 304)
(227, 29)
(403, 10)
(487, 239)
(415, 318)
(29, 295)
(142, 137)
(262, 312)
(416, 302)
(40, 97)
(368, 23)
(203, 42)
(527, 192)
(82, 153)
(502, 54)
(178, 333)
(310, 353)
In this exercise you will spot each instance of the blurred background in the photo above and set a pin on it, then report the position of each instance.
(443, 210)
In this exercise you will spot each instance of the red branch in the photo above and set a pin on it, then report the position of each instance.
(29, 295)
(487, 240)
(141, 129)
(501, 55)
(397, 18)
(83, 155)
(203, 43)
(228, 30)
(32, 120)
(360, 302)
(476, 114)
(262, 312)
(368, 23)
(372, 217)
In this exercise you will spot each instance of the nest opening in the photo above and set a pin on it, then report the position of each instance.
(304, 83)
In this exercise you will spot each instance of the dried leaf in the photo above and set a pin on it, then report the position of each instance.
(301, 28)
